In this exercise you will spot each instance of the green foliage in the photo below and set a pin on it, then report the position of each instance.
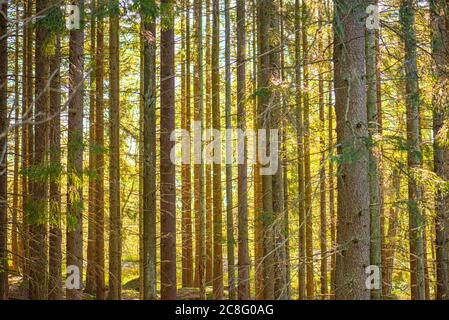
(36, 212)
(42, 173)
(147, 8)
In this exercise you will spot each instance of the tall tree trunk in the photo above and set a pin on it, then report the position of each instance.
(208, 166)
(267, 73)
(55, 238)
(115, 248)
(353, 236)
(200, 229)
(3, 151)
(307, 171)
(15, 246)
(75, 154)
(229, 197)
(90, 269)
(216, 125)
(322, 173)
(414, 158)
(187, 257)
(299, 144)
(167, 168)
(100, 289)
(440, 34)
(373, 173)
(243, 249)
(149, 155)
(38, 210)
(258, 205)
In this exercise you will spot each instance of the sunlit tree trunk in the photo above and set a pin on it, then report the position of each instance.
(353, 237)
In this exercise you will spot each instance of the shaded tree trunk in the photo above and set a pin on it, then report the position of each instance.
(75, 155)
(414, 157)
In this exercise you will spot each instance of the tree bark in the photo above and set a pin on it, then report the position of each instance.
(353, 238)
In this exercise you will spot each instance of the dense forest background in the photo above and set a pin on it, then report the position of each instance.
(93, 207)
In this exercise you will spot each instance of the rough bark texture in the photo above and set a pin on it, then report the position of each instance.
(440, 46)
(75, 155)
(115, 248)
(353, 236)
(167, 167)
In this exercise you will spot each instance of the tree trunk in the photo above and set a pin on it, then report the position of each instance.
(115, 250)
(149, 155)
(167, 167)
(407, 19)
(243, 250)
(99, 157)
(299, 144)
(38, 208)
(3, 151)
(75, 155)
(229, 198)
(440, 34)
(55, 238)
(198, 153)
(373, 173)
(353, 236)
(90, 269)
(187, 257)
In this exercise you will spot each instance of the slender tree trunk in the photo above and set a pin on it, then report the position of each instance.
(243, 249)
(3, 151)
(258, 206)
(38, 210)
(15, 246)
(307, 171)
(373, 173)
(99, 157)
(229, 197)
(216, 124)
(187, 258)
(407, 18)
(353, 236)
(390, 248)
(90, 269)
(299, 143)
(440, 34)
(267, 72)
(75, 156)
(149, 155)
(167, 168)
(322, 173)
(115, 250)
(55, 238)
(200, 226)
(208, 166)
